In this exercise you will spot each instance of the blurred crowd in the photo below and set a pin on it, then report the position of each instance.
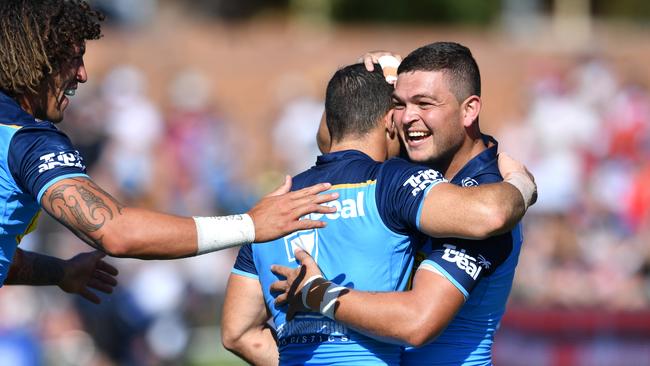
(584, 133)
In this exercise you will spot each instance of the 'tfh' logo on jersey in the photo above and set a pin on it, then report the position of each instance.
(55, 160)
(465, 262)
(422, 180)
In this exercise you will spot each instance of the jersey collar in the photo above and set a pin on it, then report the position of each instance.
(11, 113)
(341, 155)
(478, 164)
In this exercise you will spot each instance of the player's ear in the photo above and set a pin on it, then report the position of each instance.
(323, 138)
(389, 123)
(470, 109)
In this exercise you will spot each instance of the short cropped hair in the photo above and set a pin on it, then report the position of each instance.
(451, 58)
(38, 37)
(355, 100)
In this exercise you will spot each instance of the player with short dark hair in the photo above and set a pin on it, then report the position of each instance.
(382, 212)
(41, 65)
(461, 286)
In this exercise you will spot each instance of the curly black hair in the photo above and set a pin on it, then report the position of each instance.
(38, 37)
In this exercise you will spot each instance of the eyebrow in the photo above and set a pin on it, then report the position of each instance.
(416, 96)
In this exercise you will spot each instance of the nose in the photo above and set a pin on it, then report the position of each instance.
(408, 115)
(82, 75)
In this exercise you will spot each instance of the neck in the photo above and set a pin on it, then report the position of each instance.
(372, 144)
(472, 146)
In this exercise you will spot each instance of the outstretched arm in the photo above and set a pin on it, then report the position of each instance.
(101, 221)
(78, 274)
(413, 317)
(244, 328)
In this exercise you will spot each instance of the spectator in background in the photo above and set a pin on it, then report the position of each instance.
(297, 123)
(210, 183)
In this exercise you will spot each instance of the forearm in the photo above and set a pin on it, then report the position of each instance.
(387, 316)
(145, 234)
(34, 269)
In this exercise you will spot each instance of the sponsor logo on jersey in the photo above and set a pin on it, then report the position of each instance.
(464, 261)
(345, 209)
(469, 182)
(306, 240)
(312, 330)
(424, 178)
(61, 159)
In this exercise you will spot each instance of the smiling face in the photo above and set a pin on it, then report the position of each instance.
(429, 118)
(52, 99)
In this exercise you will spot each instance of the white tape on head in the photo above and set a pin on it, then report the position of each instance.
(389, 65)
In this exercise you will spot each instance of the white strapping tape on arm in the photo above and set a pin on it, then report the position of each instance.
(524, 184)
(221, 232)
(327, 306)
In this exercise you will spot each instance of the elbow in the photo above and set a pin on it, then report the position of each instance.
(495, 220)
(416, 340)
(419, 336)
(229, 340)
(116, 244)
(422, 330)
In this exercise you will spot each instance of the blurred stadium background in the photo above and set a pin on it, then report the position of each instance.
(200, 106)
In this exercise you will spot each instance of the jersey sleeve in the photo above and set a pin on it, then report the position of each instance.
(40, 157)
(245, 265)
(464, 262)
(401, 189)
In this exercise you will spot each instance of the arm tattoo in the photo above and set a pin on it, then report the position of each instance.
(83, 207)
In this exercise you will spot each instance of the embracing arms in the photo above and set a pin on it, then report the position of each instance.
(412, 317)
(479, 212)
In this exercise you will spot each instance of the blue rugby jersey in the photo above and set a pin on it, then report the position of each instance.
(483, 270)
(366, 246)
(34, 155)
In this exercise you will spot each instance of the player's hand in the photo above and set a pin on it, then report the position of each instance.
(303, 287)
(279, 213)
(389, 62)
(87, 271)
(511, 168)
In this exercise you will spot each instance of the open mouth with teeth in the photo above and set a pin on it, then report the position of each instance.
(417, 135)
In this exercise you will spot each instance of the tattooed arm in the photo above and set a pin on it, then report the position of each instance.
(101, 221)
(78, 275)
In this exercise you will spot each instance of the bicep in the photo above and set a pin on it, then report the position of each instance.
(244, 308)
(445, 211)
(463, 212)
(82, 206)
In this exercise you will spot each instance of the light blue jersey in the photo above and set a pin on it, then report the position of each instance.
(33, 156)
(482, 270)
(367, 245)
